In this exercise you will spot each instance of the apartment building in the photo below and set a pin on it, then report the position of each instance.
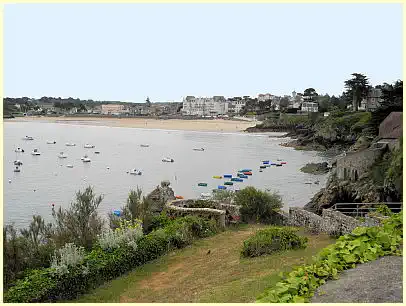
(204, 106)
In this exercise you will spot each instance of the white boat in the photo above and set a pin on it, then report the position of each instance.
(145, 145)
(19, 150)
(167, 160)
(70, 144)
(85, 159)
(17, 169)
(69, 166)
(18, 162)
(28, 138)
(196, 149)
(51, 142)
(135, 172)
(35, 152)
(89, 146)
(62, 155)
(205, 195)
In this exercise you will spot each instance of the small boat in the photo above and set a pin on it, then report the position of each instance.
(283, 163)
(144, 145)
(227, 176)
(97, 152)
(317, 182)
(197, 149)
(237, 179)
(217, 176)
(228, 183)
(248, 173)
(167, 160)
(69, 166)
(51, 142)
(135, 172)
(28, 138)
(19, 150)
(245, 170)
(242, 175)
(202, 184)
(62, 155)
(262, 167)
(266, 162)
(205, 195)
(18, 162)
(89, 146)
(179, 197)
(222, 187)
(308, 183)
(17, 169)
(70, 144)
(261, 171)
(85, 159)
(35, 152)
(278, 165)
(117, 213)
(273, 164)
(279, 159)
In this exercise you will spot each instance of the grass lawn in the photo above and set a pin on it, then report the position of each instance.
(192, 275)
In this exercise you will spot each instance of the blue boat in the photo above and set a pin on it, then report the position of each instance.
(243, 176)
(237, 179)
(117, 212)
(222, 187)
(265, 162)
(227, 175)
(273, 164)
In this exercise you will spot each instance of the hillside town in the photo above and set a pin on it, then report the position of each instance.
(191, 106)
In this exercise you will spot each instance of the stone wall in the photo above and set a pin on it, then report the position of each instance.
(331, 222)
(356, 164)
(220, 212)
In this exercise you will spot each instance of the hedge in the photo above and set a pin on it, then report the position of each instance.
(45, 285)
(362, 245)
(272, 239)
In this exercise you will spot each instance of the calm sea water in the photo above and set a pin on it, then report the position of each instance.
(45, 179)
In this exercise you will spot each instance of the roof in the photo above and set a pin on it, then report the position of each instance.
(391, 126)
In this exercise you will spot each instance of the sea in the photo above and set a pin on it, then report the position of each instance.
(45, 179)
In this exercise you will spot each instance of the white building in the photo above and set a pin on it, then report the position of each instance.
(236, 104)
(203, 106)
(113, 109)
(310, 107)
(265, 97)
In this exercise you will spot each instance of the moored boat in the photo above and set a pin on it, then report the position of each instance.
(221, 187)
(144, 145)
(19, 150)
(71, 144)
(17, 169)
(69, 166)
(62, 155)
(85, 159)
(247, 173)
(198, 149)
(217, 176)
(228, 183)
(28, 138)
(51, 142)
(283, 163)
(35, 152)
(135, 172)
(227, 176)
(205, 195)
(202, 184)
(242, 175)
(167, 160)
(18, 162)
(237, 179)
(262, 167)
(89, 146)
(179, 197)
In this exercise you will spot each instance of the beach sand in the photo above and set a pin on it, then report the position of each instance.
(216, 125)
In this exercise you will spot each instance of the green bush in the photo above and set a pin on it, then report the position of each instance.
(257, 205)
(362, 245)
(99, 266)
(272, 239)
(203, 204)
(159, 221)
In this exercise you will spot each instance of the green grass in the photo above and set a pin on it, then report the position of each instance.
(193, 275)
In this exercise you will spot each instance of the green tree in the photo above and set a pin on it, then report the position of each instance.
(257, 205)
(324, 102)
(358, 88)
(148, 102)
(79, 223)
(310, 94)
(284, 103)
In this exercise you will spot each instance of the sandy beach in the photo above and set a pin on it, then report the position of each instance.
(217, 125)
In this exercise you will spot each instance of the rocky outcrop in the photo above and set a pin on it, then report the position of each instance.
(316, 168)
(160, 196)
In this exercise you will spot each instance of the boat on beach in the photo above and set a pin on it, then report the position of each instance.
(205, 195)
(179, 197)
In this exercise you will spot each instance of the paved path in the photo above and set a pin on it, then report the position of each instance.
(378, 281)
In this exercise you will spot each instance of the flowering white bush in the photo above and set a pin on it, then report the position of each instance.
(127, 234)
(68, 256)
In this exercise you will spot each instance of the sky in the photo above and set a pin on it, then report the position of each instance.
(126, 52)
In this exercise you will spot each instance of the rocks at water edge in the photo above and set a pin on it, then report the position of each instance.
(316, 168)
(160, 196)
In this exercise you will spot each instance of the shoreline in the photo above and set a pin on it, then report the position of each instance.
(201, 125)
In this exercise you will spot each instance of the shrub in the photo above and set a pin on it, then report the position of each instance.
(159, 221)
(99, 265)
(273, 239)
(257, 205)
(203, 204)
(126, 234)
(224, 196)
(362, 245)
(68, 256)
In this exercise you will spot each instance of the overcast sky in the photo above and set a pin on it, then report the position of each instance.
(166, 51)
